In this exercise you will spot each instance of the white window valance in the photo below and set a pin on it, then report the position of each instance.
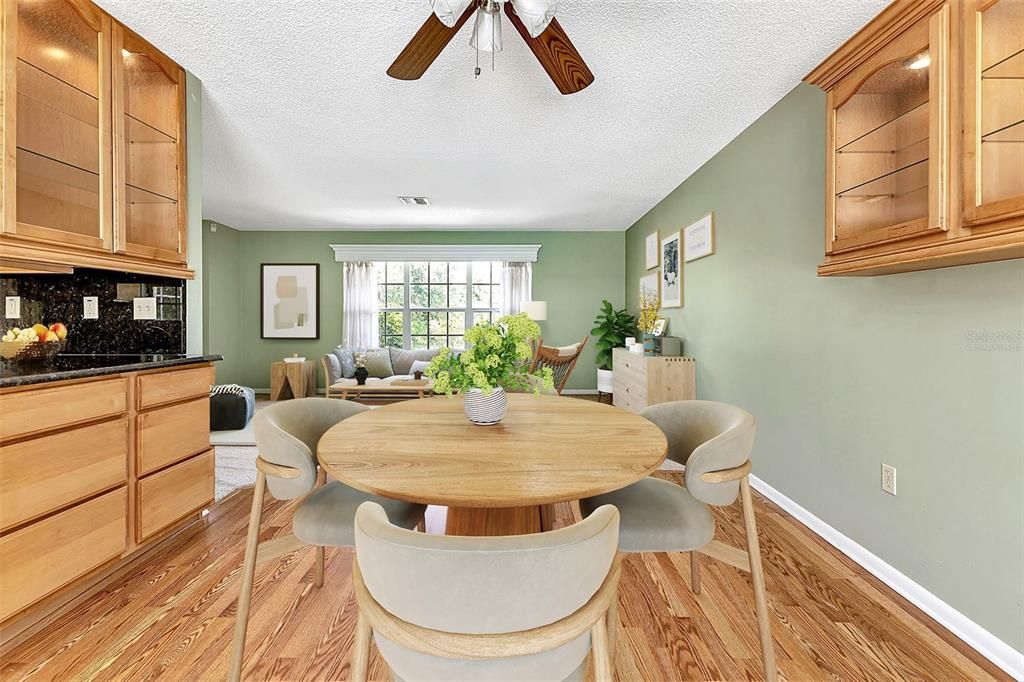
(526, 253)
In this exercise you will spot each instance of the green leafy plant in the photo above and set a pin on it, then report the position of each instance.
(499, 354)
(611, 329)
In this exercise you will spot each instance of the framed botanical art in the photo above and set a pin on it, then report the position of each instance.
(651, 250)
(699, 238)
(290, 301)
(671, 272)
(649, 285)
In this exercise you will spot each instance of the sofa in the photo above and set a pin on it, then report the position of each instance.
(384, 364)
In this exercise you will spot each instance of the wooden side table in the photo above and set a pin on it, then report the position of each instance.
(292, 380)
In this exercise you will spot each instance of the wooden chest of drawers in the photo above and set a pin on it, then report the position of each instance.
(642, 380)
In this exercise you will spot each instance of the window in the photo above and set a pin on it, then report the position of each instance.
(430, 304)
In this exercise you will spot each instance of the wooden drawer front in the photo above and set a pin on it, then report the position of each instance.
(172, 494)
(169, 387)
(44, 409)
(172, 434)
(47, 555)
(43, 474)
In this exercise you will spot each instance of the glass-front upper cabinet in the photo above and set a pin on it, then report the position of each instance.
(887, 141)
(149, 150)
(59, 52)
(993, 111)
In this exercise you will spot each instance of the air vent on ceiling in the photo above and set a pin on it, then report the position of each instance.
(415, 201)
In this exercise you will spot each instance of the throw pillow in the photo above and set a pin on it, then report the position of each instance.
(346, 356)
(378, 363)
(401, 360)
(333, 368)
(418, 365)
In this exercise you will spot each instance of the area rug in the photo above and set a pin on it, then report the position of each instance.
(235, 469)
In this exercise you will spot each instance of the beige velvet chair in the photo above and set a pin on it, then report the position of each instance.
(713, 441)
(526, 607)
(287, 434)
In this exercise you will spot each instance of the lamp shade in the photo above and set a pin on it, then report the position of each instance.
(537, 310)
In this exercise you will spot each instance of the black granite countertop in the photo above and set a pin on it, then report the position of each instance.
(73, 366)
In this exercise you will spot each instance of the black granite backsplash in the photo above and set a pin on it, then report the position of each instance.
(58, 298)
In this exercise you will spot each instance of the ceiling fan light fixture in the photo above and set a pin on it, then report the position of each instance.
(487, 27)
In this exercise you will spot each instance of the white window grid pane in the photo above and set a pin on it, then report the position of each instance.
(485, 273)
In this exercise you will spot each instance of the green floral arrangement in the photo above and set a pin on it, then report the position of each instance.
(498, 356)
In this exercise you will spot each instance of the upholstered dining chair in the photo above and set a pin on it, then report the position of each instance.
(287, 434)
(526, 607)
(561, 360)
(713, 442)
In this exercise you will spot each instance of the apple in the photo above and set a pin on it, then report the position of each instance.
(60, 330)
(49, 336)
(40, 330)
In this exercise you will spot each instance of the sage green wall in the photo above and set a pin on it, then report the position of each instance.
(574, 271)
(843, 374)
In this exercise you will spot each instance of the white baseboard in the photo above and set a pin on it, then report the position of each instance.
(975, 636)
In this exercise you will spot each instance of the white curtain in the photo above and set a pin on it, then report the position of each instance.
(359, 309)
(516, 286)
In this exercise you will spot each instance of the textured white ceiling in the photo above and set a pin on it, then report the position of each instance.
(303, 129)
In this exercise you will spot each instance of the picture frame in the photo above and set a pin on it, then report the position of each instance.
(699, 238)
(659, 326)
(671, 271)
(289, 300)
(649, 283)
(651, 250)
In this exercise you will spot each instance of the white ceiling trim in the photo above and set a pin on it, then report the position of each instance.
(435, 252)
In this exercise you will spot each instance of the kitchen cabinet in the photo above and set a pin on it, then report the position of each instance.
(95, 472)
(922, 167)
(93, 141)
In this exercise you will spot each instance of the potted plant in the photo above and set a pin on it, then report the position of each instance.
(649, 311)
(495, 361)
(611, 329)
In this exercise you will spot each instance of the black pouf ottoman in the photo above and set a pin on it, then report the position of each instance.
(231, 407)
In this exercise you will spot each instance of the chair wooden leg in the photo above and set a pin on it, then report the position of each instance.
(361, 650)
(318, 567)
(695, 571)
(599, 650)
(252, 542)
(613, 628)
(757, 577)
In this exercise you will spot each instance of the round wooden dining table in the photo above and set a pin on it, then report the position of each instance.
(495, 480)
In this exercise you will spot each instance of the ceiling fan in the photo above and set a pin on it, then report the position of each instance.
(533, 19)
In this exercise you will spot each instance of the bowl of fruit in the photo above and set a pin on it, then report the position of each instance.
(35, 343)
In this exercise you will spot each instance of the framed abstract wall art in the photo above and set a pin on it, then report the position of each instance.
(289, 301)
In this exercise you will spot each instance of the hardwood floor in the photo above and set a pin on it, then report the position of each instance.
(172, 618)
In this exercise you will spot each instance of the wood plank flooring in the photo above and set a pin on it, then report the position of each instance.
(171, 619)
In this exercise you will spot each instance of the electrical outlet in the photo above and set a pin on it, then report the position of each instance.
(12, 307)
(144, 308)
(889, 479)
(91, 307)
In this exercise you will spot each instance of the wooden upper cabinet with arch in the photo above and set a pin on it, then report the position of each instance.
(92, 140)
(899, 159)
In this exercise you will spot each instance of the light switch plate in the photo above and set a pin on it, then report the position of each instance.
(12, 307)
(91, 307)
(144, 308)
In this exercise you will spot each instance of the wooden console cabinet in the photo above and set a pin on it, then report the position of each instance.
(92, 134)
(642, 380)
(925, 138)
(93, 473)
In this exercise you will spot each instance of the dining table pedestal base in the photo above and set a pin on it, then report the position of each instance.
(493, 521)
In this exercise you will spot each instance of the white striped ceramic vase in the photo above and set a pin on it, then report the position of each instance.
(485, 410)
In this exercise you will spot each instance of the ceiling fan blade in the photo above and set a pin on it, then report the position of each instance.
(426, 45)
(556, 54)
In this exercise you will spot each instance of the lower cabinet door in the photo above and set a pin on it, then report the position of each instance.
(43, 557)
(174, 493)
